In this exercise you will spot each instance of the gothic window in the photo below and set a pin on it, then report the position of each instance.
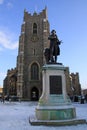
(34, 28)
(34, 72)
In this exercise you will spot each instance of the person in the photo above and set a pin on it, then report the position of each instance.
(3, 98)
(54, 46)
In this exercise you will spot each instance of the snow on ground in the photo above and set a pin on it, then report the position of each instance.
(15, 116)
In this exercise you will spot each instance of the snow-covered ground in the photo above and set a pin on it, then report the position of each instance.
(15, 116)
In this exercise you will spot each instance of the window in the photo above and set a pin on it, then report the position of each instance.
(34, 28)
(34, 72)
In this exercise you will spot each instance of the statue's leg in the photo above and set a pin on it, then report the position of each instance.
(51, 58)
(55, 58)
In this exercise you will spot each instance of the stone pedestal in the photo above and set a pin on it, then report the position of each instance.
(54, 103)
(54, 106)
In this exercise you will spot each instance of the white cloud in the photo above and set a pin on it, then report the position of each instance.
(1, 1)
(2, 77)
(7, 41)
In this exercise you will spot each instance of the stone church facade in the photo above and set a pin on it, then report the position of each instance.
(32, 42)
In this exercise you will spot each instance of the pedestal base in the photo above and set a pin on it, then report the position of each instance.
(55, 112)
(33, 121)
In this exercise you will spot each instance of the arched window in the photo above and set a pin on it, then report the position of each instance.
(34, 72)
(34, 28)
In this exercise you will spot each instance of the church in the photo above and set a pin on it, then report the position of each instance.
(33, 40)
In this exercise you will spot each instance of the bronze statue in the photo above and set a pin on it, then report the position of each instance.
(54, 50)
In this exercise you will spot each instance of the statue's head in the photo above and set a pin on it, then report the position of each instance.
(53, 31)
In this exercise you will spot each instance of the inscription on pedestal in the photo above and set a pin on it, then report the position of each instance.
(55, 84)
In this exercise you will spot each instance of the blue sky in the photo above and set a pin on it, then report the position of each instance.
(67, 17)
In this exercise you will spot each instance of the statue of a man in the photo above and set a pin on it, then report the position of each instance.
(54, 46)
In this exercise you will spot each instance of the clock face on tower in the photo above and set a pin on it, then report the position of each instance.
(34, 38)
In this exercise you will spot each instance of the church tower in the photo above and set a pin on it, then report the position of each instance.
(32, 42)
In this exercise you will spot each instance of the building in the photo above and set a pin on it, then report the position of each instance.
(1, 91)
(75, 84)
(32, 42)
(84, 91)
(10, 83)
(28, 73)
(68, 82)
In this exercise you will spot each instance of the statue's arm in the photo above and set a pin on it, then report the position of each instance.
(51, 37)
